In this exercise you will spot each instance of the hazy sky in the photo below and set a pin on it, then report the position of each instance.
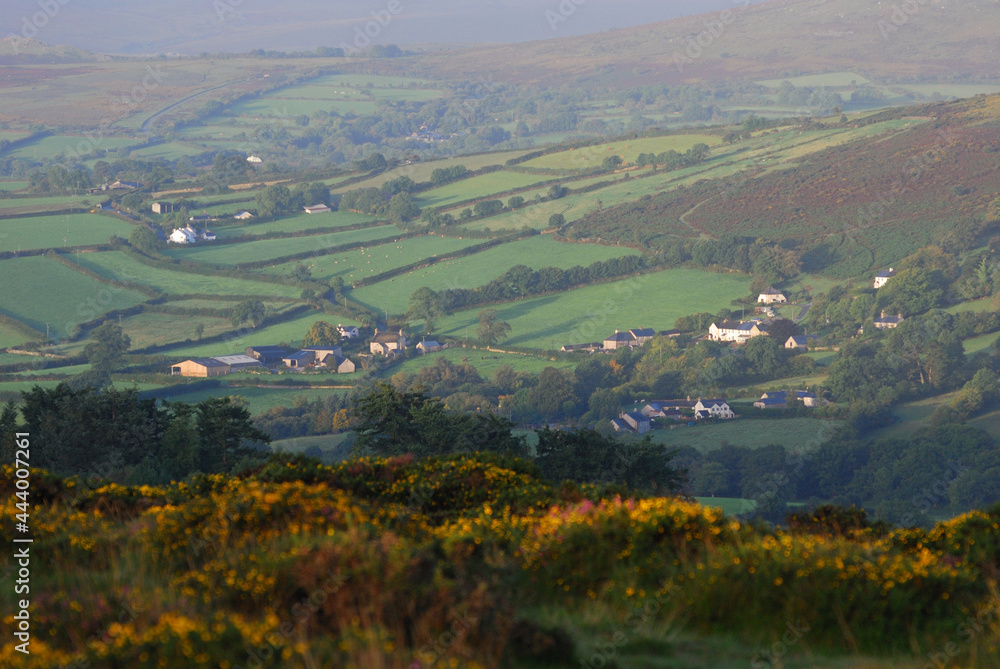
(191, 26)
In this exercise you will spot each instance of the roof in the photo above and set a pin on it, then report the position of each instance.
(269, 349)
(620, 424)
(386, 337)
(236, 360)
(301, 355)
(889, 319)
(771, 401)
(621, 336)
(708, 403)
(637, 417)
(207, 362)
(800, 340)
(728, 325)
(317, 349)
(643, 332)
(428, 344)
(885, 274)
(771, 290)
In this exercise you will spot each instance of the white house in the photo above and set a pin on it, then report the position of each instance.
(207, 235)
(243, 215)
(772, 296)
(429, 346)
(883, 277)
(183, 236)
(255, 160)
(316, 209)
(348, 331)
(388, 343)
(736, 331)
(714, 408)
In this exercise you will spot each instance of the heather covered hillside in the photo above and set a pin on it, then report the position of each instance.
(475, 561)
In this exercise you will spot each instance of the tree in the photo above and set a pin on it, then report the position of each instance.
(321, 333)
(199, 330)
(274, 200)
(781, 329)
(491, 329)
(426, 305)
(104, 353)
(557, 221)
(226, 434)
(145, 240)
(249, 311)
(8, 427)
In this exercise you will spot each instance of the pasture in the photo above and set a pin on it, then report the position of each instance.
(71, 146)
(45, 232)
(151, 329)
(830, 79)
(591, 313)
(980, 343)
(485, 362)
(476, 187)
(368, 261)
(10, 337)
(291, 224)
(471, 271)
(247, 252)
(40, 290)
(25, 205)
(421, 171)
(117, 266)
(14, 185)
(289, 333)
(167, 151)
(801, 435)
(591, 157)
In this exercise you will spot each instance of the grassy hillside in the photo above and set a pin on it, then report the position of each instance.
(473, 561)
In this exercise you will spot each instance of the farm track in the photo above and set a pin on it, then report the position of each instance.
(148, 122)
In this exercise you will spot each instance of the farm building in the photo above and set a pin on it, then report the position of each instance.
(593, 346)
(771, 403)
(343, 365)
(642, 335)
(243, 216)
(267, 355)
(254, 160)
(736, 331)
(636, 422)
(619, 340)
(162, 207)
(801, 342)
(883, 277)
(203, 367)
(238, 362)
(321, 353)
(299, 359)
(429, 346)
(317, 209)
(619, 425)
(772, 296)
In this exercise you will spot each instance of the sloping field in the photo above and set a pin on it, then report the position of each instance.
(40, 290)
(119, 267)
(476, 270)
(290, 224)
(591, 313)
(592, 156)
(476, 187)
(44, 232)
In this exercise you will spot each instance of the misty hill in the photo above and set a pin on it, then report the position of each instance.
(951, 42)
(20, 50)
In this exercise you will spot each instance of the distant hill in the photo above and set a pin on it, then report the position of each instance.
(940, 42)
(17, 50)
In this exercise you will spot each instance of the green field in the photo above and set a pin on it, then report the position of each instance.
(471, 271)
(10, 337)
(980, 343)
(295, 223)
(795, 434)
(43, 232)
(69, 145)
(71, 370)
(421, 171)
(167, 151)
(119, 267)
(591, 313)
(23, 205)
(40, 290)
(14, 185)
(247, 252)
(149, 329)
(485, 362)
(476, 187)
(286, 333)
(364, 262)
(592, 156)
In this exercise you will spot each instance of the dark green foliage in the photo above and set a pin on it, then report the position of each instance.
(249, 311)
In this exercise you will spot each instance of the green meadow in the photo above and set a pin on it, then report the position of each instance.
(831, 79)
(40, 290)
(367, 261)
(258, 400)
(795, 434)
(421, 171)
(291, 224)
(592, 156)
(471, 271)
(591, 313)
(485, 362)
(247, 252)
(70, 145)
(150, 329)
(10, 337)
(44, 232)
(117, 266)
(476, 187)
(23, 205)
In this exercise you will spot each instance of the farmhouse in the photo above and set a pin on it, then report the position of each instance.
(124, 185)
(713, 408)
(254, 159)
(162, 207)
(207, 235)
(267, 355)
(642, 335)
(736, 331)
(388, 343)
(183, 236)
(883, 277)
(800, 342)
(243, 215)
(636, 422)
(778, 399)
(619, 340)
(888, 322)
(325, 354)
(343, 365)
(771, 403)
(772, 296)
(317, 209)
(348, 331)
(619, 425)
(299, 359)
